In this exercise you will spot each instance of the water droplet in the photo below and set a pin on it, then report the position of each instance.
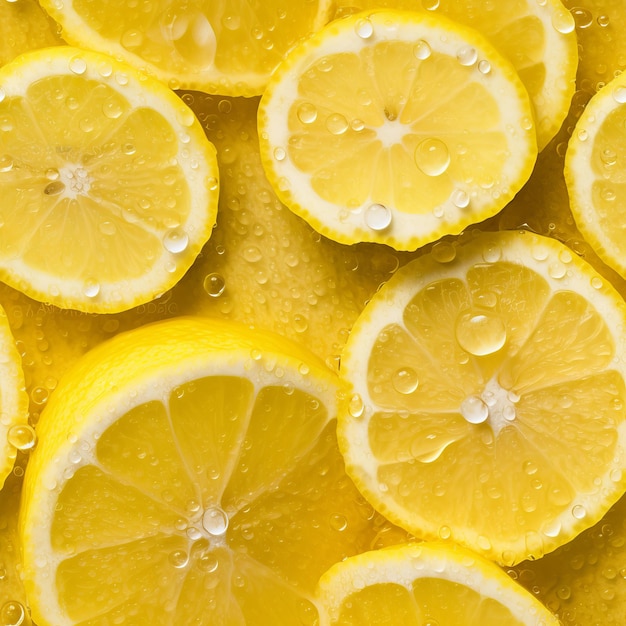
(91, 288)
(443, 252)
(178, 558)
(564, 592)
(338, 522)
(78, 65)
(6, 163)
(364, 28)
(252, 254)
(132, 39)
(208, 562)
(484, 67)
(176, 240)
(432, 156)
(480, 333)
(563, 21)
(445, 532)
(405, 380)
(460, 198)
(356, 407)
(579, 511)
(377, 216)
(474, 410)
(13, 613)
(279, 154)
(422, 50)
(467, 56)
(307, 113)
(22, 437)
(603, 21)
(215, 521)
(337, 124)
(583, 18)
(214, 284)
(608, 157)
(430, 5)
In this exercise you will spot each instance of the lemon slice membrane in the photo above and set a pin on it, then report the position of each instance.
(109, 183)
(186, 472)
(489, 396)
(395, 127)
(427, 583)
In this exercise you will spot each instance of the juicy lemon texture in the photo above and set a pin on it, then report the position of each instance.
(395, 127)
(489, 396)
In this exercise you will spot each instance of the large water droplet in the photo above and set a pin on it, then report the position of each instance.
(337, 124)
(432, 156)
(474, 410)
(422, 50)
(480, 333)
(176, 240)
(405, 380)
(13, 613)
(214, 284)
(378, 216)
(215, 521)
(364, 28)
(22, 437)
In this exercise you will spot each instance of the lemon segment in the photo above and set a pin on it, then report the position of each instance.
(110, 184)
(224, 47)
(428, 583)
(594, 173)
(488, 396)
(395, 127)
(185, 471)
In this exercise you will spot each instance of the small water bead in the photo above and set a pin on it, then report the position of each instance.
(443, 252)
(6, 163)
(460, 198)
(78, 65)
(356, 407)
(176, 240)
(430, 5)
(132, 39)
(279, 154)
(231, 21)
(405, 380)
(474, 410)
(484, 67)
(579, 512)
(215, 521)
(337, 124)
(178, 558)
(583, 18)
(422, 50)
(480, 333)
(608, 157)
(603, 21)
(563, 21)
(208, 562)
(364, 28)
(338, 522)
(307, 113)
(252, 254)
(13, 613)
(22, 437)
(91, 288)
(214, 284)
(467, 56)
(378, 217)
(432, 156)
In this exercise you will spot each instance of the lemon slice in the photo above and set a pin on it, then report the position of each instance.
(595, 173)
(185, 473)
(395, 127)
(427, 583)
(538, 38)
(108, 180)
(227, 46)
(15, 433)
(489, 396)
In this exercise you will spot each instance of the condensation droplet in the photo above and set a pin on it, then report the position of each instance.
(563, 21)
(405, 380)
(91, 288)
(6, 163)
(279, 154)
(13, 613)
(432, 156)
(176, 240)
(364, 28)
(467, 56)
(356, 407)
(214, 284)
(443, 252)
(337, 124)
(579, 511)
(422, 50)
(178, 558)
(215, 521)
(474, 410)
(307, 113)
(78, 65)
(460, 198)
(480, 333)
(378, 216)
(338, 522)
(22, 436)
(484, 67)
(583, 18)
(603, 21)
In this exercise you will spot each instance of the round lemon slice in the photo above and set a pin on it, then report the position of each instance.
(595, 173)
(109, 183)
(396, 127)
(228, 47)
(427, 583)
(186, 472)
(489, 396)
(15, 433)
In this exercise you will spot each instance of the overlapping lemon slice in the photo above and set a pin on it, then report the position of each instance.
(187, 472)
(226, 46)
(489, 395)
(108, 181)
(396, 127)
(430, 584)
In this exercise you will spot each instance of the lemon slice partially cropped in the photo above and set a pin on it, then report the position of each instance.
(109, 183)
(396, 127)
(595, 173)
(228, 47)
(15, 433)
(188, 472)
(427, 583)
(489, 396)
(539, 39)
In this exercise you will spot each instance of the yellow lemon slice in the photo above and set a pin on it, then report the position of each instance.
(186, 472)
(427, 583)
(538, 38)
(15, 433)
(228, 46)
(396, 127)
(595, 173)
(109, 182)
(489, 395)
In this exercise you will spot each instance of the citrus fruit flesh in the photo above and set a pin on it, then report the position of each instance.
(395, 127)
(427, 583)
(186, 472)
(109, 182)
(488, 396)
